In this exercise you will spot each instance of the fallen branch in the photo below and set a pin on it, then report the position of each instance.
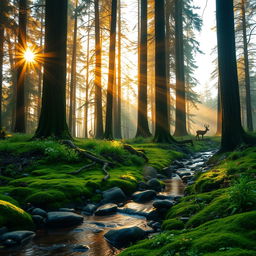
(133, 151)
(83, 168)
(89, 156)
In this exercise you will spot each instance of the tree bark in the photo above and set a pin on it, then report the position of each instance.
(142, 123)
(97, 82)
(112, 56)
(246, 71)
(52, 121)
(72, 104)
(20, 125)
(180, 123)
(162, 134)
(219, 114)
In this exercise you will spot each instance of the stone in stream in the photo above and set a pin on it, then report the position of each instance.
(121, 238)
(149, 172)
(67, 210)
(80, 248)
(155, 184)
(159, 204)
(39, 211)
(144, 196)
(16, 238)
(142, 186)
(63, 219)
(187, 178)
(38, 220)
(89, 209)
(106, 209)
(114, 195)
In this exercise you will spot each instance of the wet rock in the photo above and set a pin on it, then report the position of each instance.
(144, 196)
(178, 163)
(130, 211)
(161, 177)
(16, 238)
(165, 197)
(155, 184)
(155, 215)
(156, 226)
(187, 178)
(114, 195)
(159, 204)
(142, 186)
(67, 210)
(63, 219)
(149, 172)
(124, 237)
(38, 220)
(80, 248)
(89, 209)
(107, 209)
(38, 211)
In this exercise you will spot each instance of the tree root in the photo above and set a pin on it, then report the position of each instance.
(105, 164)
(83, 168)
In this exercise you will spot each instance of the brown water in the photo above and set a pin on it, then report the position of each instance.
(91, 232)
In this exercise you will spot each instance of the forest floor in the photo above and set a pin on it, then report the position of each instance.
(219, 206)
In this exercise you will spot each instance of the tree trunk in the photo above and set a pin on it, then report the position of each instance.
(97, 82)
(232, 132)
(142, 125)
(72, 111)
(52, 121)
(118, 132)
(180, 123)
(112, 56)
(21, 69)
(219, 114)
(162, 134)
(246, 71)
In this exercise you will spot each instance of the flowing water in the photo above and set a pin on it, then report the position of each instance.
(74, 242)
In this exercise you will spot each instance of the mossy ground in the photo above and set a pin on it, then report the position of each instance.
(221, 206)
(45, 180)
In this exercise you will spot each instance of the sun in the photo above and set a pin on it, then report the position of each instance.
(29, 55)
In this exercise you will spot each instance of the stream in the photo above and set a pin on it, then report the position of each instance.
(88, 238)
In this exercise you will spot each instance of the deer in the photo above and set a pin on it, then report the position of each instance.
(202, 132)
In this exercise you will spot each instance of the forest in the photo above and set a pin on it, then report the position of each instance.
(127, 127)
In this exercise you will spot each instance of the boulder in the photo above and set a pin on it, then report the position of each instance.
(159, 204)
(89, 209)
(67, 210)
(39, 211)
(155, 184)
(142, 186)
(121, 238)
(106, 209)
(114, 195)
(144, 196)
(63, 219)
(15, 238)
(38, 220)
(149, 172)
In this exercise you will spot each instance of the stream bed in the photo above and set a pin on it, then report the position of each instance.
(88, 238)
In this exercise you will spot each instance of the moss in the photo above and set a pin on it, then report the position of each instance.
(172, 224)
(232, 252)
(14, 218)
(226, 234)
(9, 200)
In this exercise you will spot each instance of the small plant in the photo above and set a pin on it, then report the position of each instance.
(242, 195)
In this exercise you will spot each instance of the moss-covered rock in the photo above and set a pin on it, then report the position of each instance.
(14, 218)
(173, 224)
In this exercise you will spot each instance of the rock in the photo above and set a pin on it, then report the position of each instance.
(178, 163)
(3, 230)
(155, 215)
(163, 204)
(38, 211)
(114, 195)
(15, 238)
(149, 172)
(124, 237)
(165, 197)
(38, 220)
(89, 209)
(187, 178)
(142, 185)
(80, 248)
(130, 211)
(63, 219)
(67, 210)
(161, 177)
(144, 196)
(155, 184)
(106, 209)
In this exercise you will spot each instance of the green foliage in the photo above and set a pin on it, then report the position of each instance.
(13, 217)
(172, 224)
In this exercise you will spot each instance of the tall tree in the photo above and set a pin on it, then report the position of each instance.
(52, 121)
(232, 132)
(97, 82)
(180, 124)
(21, 69)
(219, 113)
(72, 102)
(246, 70)
(162, 133)
(112, 57)
(142, 125)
